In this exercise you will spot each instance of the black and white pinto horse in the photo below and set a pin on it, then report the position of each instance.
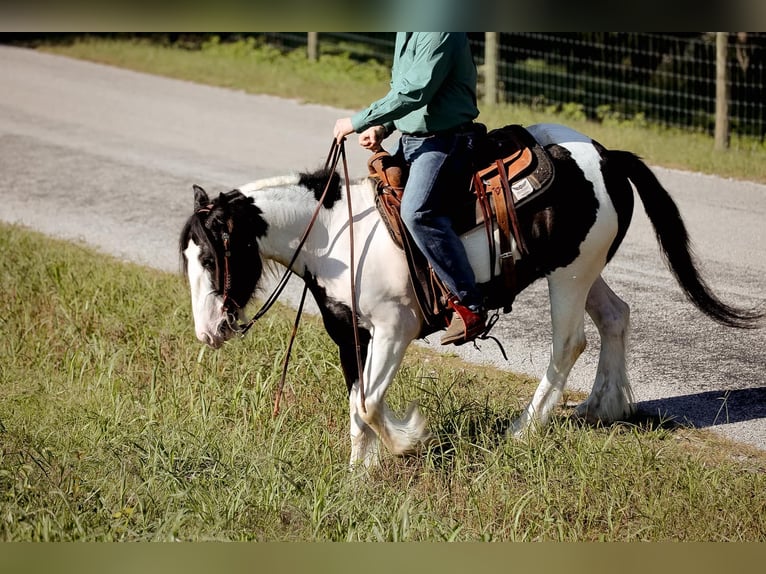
(571, 236)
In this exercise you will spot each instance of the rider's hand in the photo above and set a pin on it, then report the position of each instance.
(371, 137)
(342, 128)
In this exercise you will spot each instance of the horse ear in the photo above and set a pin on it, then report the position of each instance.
(200, 197)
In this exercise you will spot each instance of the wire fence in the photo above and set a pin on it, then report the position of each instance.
(652, 78)
(656, 78)
(641, 77)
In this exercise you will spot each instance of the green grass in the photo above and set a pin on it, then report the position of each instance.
(115, 424)
(339, 80)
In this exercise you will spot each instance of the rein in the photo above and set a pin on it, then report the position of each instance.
(337, 150)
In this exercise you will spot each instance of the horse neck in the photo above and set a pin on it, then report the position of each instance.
(288, 212)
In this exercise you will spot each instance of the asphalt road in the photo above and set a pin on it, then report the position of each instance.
(108, 157)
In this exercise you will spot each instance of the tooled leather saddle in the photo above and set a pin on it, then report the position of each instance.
(510, 170)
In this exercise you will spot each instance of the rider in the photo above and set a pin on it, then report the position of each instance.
(432, 102)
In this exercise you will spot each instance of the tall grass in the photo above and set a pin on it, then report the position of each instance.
(115, 424)
(339, 80)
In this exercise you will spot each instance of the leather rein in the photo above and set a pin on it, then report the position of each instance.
(337, 150)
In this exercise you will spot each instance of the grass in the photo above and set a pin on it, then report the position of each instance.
(246, 65)
(116, 425)
(339, 80)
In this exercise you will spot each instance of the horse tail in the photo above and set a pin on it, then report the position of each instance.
(675, 245)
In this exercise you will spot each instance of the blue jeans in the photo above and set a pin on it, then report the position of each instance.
(440, 169)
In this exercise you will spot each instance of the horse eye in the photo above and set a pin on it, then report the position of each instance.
(207, 262)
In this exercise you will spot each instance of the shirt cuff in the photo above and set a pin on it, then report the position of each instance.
(359, 121)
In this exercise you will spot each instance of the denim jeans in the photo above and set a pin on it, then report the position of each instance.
(440, 168)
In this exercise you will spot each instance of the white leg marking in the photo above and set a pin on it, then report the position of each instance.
(611, 398)
(399, 435)
(364, 441)
(568, 289)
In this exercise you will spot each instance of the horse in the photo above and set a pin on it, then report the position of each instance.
(572, 232)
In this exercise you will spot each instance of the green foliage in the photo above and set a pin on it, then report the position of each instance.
(609, 116)
(116, 425)
(568, 112)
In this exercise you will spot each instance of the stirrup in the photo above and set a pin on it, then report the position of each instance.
(465, 325)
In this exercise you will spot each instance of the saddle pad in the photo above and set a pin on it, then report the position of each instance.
(529, 168)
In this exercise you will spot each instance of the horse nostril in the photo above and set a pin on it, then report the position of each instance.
(232, 322)
(227, 327)
(208, 340)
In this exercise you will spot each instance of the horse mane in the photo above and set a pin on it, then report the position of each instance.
(314, 181)
(317, 182)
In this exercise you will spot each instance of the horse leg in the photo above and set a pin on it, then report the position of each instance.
(399, 435)
(611, 398)
(364, 441)
(568, 291)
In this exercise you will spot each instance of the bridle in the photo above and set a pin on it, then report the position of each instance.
(337, 150)
(228, 300)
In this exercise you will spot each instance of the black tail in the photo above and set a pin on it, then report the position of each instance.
(674, 242)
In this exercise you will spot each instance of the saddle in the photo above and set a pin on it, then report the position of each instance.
(510, 170)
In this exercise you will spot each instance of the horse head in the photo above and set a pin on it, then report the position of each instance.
(219, 246)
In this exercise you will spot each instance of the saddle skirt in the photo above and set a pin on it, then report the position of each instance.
(511, 170)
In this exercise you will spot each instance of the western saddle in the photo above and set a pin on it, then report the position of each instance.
(510, 170)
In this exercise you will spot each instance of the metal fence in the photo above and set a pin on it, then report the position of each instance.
(657, 78)
(653, 78)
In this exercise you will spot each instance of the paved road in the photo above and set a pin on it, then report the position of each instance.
(108, 157)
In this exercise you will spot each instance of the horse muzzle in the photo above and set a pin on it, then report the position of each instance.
(224, 330)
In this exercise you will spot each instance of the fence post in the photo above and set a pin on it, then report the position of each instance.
(721, 91)
(490, 68)
(313, 46)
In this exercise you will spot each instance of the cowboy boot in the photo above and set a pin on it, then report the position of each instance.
(465, 326)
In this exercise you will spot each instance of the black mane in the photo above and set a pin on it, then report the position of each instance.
(317, 182)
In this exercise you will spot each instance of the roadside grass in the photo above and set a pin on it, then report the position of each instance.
(339, 80)
(247, 65)
(115, 424)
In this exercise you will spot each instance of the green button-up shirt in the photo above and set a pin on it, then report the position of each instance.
(433, 86)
